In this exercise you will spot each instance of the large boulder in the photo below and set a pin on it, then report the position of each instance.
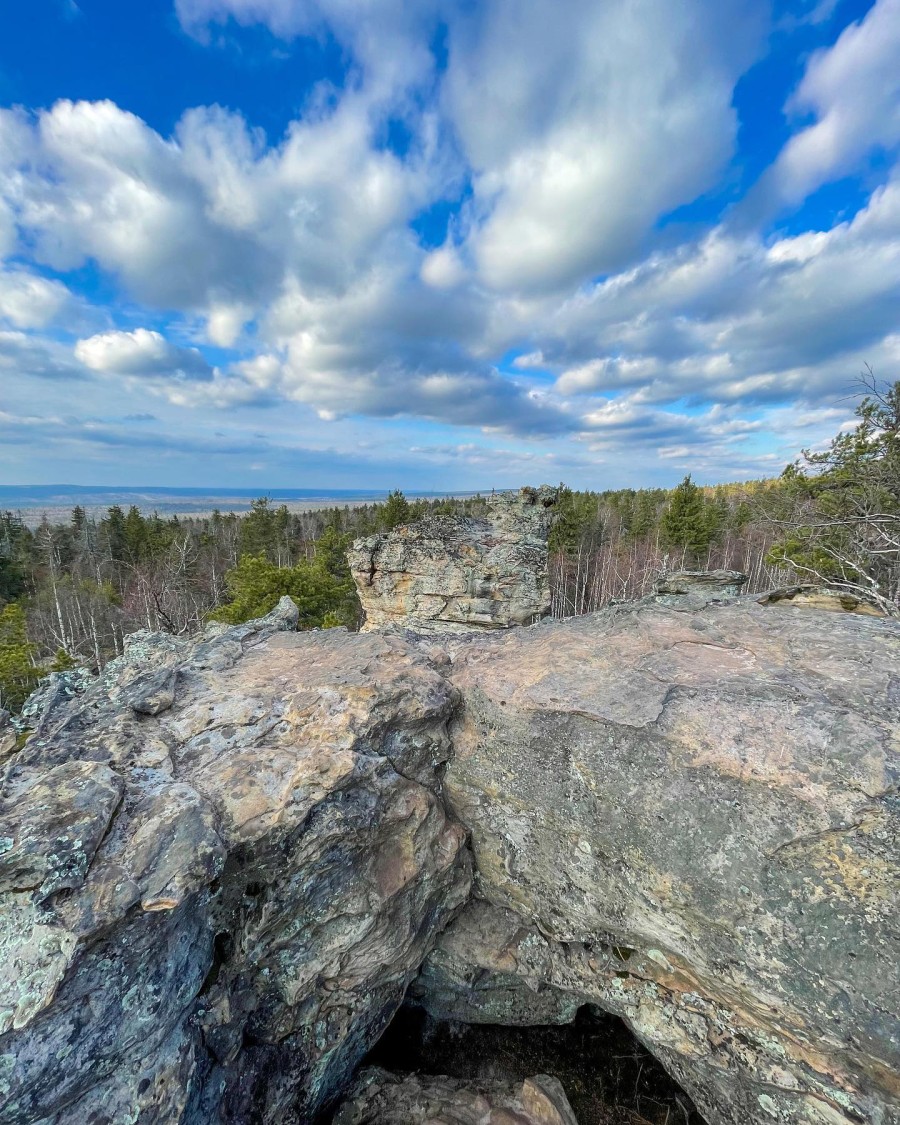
(689, 818)
(459, 574)
(220, 867)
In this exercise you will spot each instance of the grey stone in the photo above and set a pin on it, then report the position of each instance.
(684, 815)
(211, 912)
(700, 583)
(455, 574)
(381, 1098)
(689, 818)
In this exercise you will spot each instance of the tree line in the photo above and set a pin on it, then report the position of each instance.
(70, 592)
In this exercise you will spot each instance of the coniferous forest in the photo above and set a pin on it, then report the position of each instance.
(70, 592)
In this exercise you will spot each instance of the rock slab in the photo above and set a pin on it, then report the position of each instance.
(690, 818)
(381, 1098)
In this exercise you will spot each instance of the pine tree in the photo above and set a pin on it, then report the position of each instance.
(686, 524)
(395, 511)
(18, 675)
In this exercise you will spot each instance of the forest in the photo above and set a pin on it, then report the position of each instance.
(70, 592)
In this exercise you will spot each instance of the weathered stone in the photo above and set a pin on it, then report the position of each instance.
(458, 574)
(50, 832)
(381, 1098)
(821, 597)
(153, 693)
(690, 818)
(8, 735)
(700, 583)
(224, 942)
(685, 815)
(54, 692)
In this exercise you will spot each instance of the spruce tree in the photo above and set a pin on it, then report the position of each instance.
(686, 523)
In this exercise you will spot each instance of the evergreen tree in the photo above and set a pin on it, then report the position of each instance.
(395, 511)
(18, 674)
(113, 531)
(845, 526)
(134, 535)
(686, 523)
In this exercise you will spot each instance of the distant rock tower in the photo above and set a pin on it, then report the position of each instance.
(457, 574)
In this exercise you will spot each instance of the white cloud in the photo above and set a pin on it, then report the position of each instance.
(583, 122)
(443, 269)
(141, 353)
(30, 301)
(734, 318)
(853, 89)
(568, 130)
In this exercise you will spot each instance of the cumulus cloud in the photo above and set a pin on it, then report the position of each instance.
(30, 301)
(141, 353)
(555, 137)
(853, 90)
(583, 122)
(736, 318)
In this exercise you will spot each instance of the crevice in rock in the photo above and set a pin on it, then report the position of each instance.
(608, 1076)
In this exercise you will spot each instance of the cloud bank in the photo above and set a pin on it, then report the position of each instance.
(466, 240)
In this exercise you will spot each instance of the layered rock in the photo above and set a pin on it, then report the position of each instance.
(460, 574)
(829, 598)
(700, 583)
(220, 867)
(690, 819)
(381, 1098)
(224, 863)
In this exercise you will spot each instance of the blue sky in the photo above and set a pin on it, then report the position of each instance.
(313, 243)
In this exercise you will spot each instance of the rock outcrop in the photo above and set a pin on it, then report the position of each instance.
(224, 865)
(811, 596)
(220, 867)
(459, 574)
(690, 818)
(700, 583)
(380, 1098)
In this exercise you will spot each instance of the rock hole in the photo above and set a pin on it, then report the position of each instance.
(223, 947)
(608, 1076)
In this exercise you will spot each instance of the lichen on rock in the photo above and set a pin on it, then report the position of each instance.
(448, 574)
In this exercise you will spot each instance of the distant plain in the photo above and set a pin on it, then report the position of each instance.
(55, 502)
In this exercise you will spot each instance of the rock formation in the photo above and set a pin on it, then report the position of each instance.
(830, 598)
(227, 862)
(700, 583)
(689, 817)
(380, 1098)
(219, 869)
(458, 574)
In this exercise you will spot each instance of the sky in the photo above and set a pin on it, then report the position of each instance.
(446, 244)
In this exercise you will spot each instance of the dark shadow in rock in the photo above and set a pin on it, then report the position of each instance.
(608, 1076)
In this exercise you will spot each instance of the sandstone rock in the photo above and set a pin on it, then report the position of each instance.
(457, 574)
(810, 596)
(685, 815)
(212, 908)
(700, 583)
(689, 818)
(380, 1098)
